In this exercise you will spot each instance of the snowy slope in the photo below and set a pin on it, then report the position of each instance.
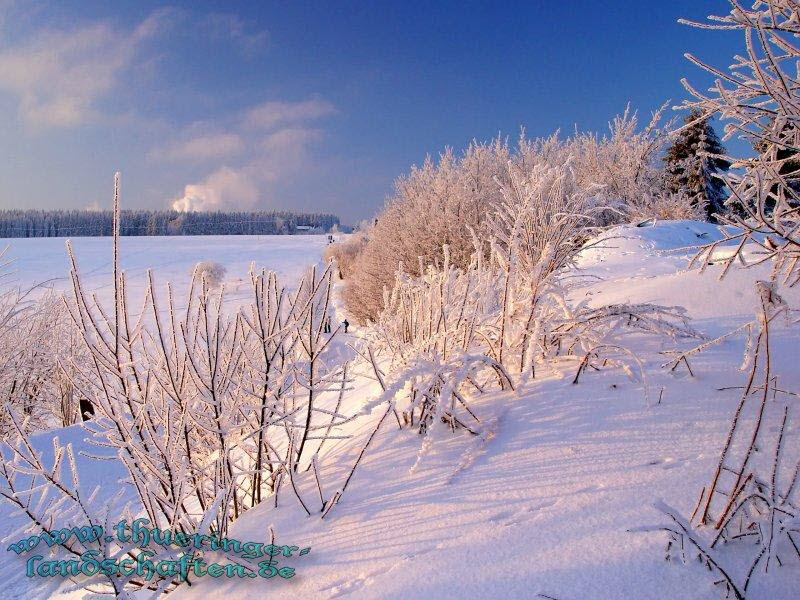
(539, 504)
(649, 264)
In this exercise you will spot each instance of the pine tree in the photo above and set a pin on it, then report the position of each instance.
(692, 162)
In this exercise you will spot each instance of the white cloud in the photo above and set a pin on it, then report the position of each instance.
(286, 151)
(290, 139)
(272, 157)
(280, 156)
(271, 114)
(225, 188)
(201, 147)
(58, 76)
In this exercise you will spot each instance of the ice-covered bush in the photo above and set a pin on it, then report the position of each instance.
(759, 100)
(435, 204)
(37, 342)
(453, 332)
(622, 167)
(751, 498)
(449, 201)
(667, 206)
(212, 272)
(345, 251)
(210, 411)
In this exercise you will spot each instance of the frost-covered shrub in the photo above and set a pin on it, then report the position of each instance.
(345, 251)
(667, 207)
(451, 332)
(751, 500)
(435, 204)
(449, 201)
(212, 272)
(759, 101)
(37, 341)
(622, 167)
(209, 411)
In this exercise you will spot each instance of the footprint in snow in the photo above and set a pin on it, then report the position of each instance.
(515, 517)
(500, 517)
(413, 555)
(343, 587)
(590, 488)
(669, 462)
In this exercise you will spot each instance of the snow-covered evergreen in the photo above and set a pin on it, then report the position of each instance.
(693, 163)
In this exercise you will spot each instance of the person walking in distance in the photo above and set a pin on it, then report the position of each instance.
(346, 325)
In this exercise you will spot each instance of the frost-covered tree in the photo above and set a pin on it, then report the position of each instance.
(692, 162)
(788, 159)
(621, 167)
(759, 100)
(436, 203)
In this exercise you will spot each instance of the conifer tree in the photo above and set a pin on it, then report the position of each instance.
(692, 162)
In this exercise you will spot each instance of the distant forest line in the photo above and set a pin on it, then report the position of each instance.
(85, 223)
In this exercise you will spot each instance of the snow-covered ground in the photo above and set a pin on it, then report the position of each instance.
(537, 506)
(44, 261)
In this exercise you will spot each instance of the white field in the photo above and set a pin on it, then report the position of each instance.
(44, 262)
(540, 504)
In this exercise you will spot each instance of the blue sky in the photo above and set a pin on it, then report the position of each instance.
(311, 106)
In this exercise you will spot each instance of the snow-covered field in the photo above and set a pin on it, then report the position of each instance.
(44, 261)
(540, 503)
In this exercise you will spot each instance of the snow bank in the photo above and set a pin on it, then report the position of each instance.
(648, 263)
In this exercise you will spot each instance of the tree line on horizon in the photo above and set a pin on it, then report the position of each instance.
(29, 223)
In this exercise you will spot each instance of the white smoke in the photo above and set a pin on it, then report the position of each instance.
(224, 189)
(273, 139)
